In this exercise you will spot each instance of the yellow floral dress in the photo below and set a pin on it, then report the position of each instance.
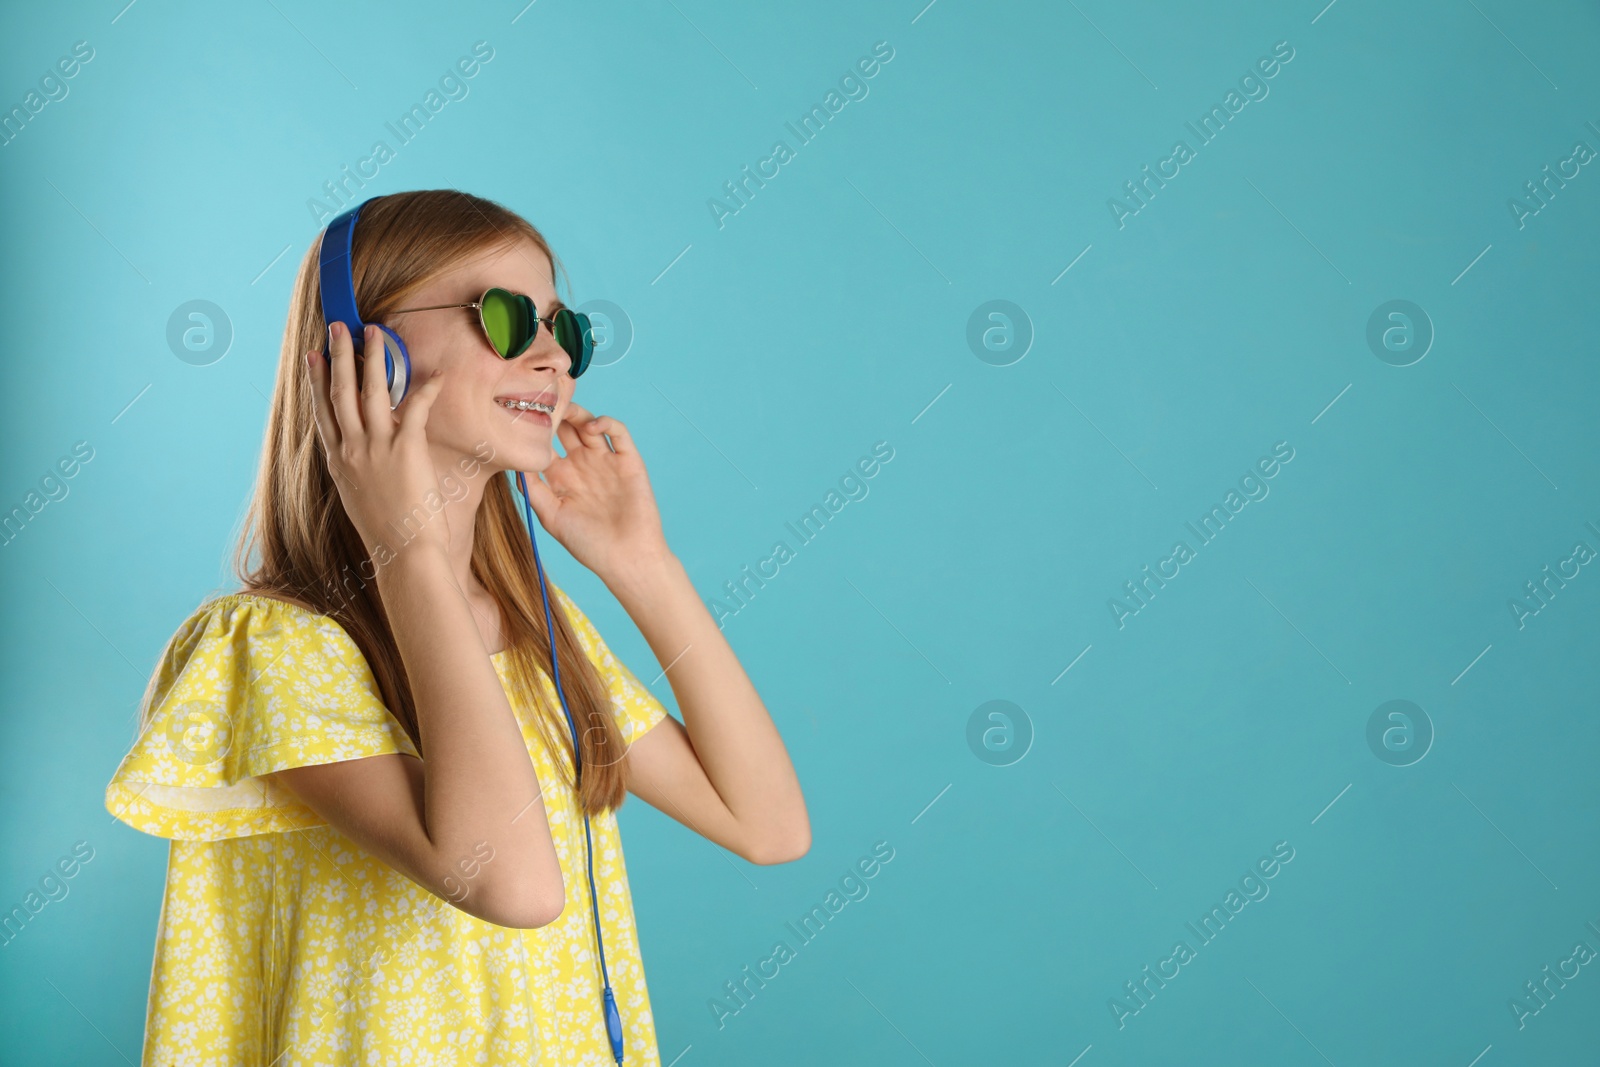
(281, 943)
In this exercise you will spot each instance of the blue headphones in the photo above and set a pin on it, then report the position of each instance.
(338, 285)
(339, 305)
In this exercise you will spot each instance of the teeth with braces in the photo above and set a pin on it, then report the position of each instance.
(528, 405)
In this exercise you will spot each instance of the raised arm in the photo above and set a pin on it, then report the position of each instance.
(476, 794)
(724, 771)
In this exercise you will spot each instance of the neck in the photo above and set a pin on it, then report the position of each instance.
(463, 496)
(460, 517)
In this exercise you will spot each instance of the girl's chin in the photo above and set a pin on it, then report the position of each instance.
(529, 460)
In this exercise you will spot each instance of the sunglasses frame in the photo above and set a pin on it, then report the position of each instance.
(581, 320)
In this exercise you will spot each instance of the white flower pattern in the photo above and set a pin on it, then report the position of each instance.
(281, 943)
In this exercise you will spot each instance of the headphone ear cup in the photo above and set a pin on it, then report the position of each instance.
(396, 366)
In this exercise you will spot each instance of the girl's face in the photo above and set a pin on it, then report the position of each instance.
(471, 416)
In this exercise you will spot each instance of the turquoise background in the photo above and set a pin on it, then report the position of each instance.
(830, 313)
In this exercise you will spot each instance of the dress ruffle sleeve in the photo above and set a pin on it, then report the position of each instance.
(248, 685)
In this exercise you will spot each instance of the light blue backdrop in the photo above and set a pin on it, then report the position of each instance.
(1041, 459)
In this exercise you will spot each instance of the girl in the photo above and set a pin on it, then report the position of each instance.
(379, 839)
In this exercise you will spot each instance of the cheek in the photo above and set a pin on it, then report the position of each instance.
(457, 411)
(466, 385)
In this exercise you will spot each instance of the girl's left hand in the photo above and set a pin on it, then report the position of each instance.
(597, 502)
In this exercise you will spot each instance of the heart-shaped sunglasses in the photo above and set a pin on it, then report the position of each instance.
(511, 322)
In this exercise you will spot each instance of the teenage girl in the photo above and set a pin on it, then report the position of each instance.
(378, 854)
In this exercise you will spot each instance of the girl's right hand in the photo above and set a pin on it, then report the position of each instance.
(378, 458)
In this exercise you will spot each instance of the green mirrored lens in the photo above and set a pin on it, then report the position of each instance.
(508, 320)
(572, 333)
(586, 334)
(566, 332)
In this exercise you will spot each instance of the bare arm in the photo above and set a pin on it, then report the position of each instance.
(723, 772)
(477, 792)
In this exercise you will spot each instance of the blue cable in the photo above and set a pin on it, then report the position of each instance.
(613, 1019)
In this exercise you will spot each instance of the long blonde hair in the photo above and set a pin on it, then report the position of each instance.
(299, 544)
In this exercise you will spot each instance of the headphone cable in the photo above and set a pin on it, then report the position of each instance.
(613, 1019)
